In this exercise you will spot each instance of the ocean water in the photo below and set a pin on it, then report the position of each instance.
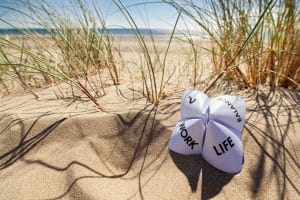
(115, 31)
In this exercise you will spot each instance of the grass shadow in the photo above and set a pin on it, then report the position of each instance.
(26, 144)
(271, 126)
(136, 134)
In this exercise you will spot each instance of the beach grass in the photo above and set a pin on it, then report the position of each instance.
(253, 43)
(154, 83)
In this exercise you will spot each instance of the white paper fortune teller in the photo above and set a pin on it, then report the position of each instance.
(211, 127)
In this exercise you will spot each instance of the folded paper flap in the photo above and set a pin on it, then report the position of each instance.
(223, 148)
(228, 110)
(194, 104)
(187, 137)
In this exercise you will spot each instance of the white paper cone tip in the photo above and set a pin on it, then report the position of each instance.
(187, 137)
(194, 104)
(223, 148)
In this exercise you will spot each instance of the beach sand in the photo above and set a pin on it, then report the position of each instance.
(59, 149)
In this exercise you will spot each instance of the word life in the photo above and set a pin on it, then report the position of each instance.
(223, 147)
(237, 115)
(188, 139)
(191, 100)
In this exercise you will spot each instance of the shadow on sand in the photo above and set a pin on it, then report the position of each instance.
(272, 123)
(26, 142)
(139, 130)
(129, 145)
(192, 166)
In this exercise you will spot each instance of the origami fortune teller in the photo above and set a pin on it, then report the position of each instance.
(211, 127)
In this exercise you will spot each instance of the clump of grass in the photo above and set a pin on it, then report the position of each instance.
(85, 49)
(252, 42)
(84, 42)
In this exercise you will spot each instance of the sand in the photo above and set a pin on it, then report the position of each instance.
(52, 149)
(59, 149)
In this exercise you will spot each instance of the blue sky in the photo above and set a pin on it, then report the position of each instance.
(146, 15)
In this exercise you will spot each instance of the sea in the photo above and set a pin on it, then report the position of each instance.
(112, 31)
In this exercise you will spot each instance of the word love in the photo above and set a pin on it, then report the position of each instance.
(224, 145)
(211, 127)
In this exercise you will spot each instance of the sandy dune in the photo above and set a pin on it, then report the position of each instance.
(52, 149)
(59, 149)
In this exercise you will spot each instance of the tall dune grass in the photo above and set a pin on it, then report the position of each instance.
(153, 69)
(252, 42)
(85, 49)
(16, 72)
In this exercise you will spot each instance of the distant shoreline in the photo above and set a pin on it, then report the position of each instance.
(112, 31)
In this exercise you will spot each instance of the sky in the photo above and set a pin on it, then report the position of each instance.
(146, 13)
